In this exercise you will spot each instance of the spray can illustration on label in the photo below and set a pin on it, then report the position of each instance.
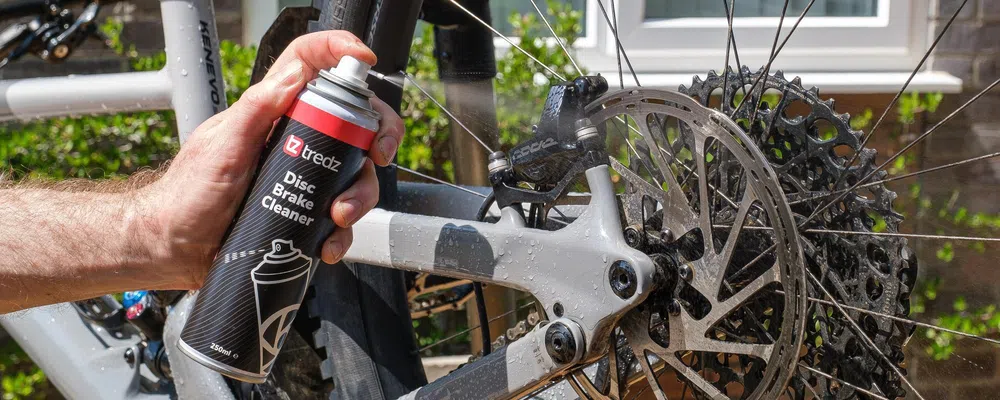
(283, 273)
(255, 287)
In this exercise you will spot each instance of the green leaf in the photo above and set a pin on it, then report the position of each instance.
(960, 304)
(946, 253)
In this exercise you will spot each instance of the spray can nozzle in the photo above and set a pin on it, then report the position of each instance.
(352, 71)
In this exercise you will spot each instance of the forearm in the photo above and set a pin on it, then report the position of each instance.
(62, 245)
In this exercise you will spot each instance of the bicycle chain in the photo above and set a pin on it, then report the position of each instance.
(516, 332)
(870, 272)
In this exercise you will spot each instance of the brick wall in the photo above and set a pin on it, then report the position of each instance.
(971, 51)
(142, 29)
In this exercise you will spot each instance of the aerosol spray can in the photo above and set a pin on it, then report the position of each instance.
(256, 284)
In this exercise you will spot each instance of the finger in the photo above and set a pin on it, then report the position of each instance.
(323, 50)
(358, 199)
(261, 104)
(336, 245)
(390, 134)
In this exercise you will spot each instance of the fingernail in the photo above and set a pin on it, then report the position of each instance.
(336, 250)
(350, 210)
(290, 73)
(387, 146)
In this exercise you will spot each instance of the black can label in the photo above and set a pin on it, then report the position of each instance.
(257, 281)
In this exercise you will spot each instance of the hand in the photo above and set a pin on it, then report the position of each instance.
(196, 199)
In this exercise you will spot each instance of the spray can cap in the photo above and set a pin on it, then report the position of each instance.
(352, 70)
(350, 73)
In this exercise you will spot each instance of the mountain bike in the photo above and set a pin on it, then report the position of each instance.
(700, 242)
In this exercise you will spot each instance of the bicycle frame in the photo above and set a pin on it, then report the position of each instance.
(505, 254)
(82, 359)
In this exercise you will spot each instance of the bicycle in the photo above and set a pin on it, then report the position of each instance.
(730, 245)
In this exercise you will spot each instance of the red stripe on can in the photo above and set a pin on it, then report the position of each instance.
(330, 125)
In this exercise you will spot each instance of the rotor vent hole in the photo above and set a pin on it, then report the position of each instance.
(659, 327)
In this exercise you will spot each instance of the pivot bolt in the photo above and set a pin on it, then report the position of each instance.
(622, 278)
(560, 343)
(685, 272)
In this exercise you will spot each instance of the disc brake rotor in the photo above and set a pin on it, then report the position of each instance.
(704, 203)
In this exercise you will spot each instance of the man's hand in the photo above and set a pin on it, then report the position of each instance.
(197, 198)
(78, 240)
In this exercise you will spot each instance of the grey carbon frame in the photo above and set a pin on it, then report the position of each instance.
(81, 359)
(507, 254)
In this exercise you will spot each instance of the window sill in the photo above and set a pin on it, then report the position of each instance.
(827, 82)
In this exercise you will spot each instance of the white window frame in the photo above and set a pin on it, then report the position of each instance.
(894, 40)
(837, 54)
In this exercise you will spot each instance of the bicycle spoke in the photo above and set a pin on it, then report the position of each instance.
(845, 383)
(775, 55)
(618, 43)
(890, 234)
(901, 152)
(906, 235)
(864, 336)
(507, 39)
(898, 177)
(900, 319)
(899, 94)
(767, 70)
(445, 109)
(618, 51)
(557, 38)
(730, 44)
(443, 182)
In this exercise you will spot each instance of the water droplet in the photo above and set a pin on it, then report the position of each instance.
(184, 72)
(604, 257)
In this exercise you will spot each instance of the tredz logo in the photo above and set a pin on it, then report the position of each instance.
(293, 146)
(296, 147)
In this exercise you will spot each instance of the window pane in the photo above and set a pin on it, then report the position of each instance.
(666, 9)
(501, 10)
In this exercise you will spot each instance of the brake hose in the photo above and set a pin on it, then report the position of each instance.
(484, 321)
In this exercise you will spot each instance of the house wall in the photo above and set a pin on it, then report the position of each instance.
(969, 50)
